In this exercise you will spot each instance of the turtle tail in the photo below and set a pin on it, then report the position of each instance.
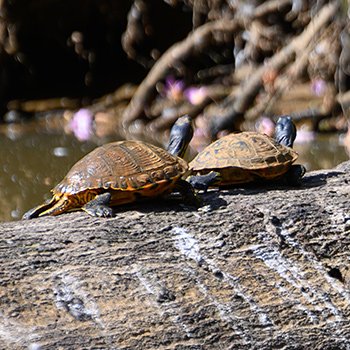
(54, 206)
(36, 211)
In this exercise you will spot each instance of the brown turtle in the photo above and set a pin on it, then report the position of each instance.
(122, 172)
(248, 156)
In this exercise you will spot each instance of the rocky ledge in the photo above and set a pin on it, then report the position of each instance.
(259, 267)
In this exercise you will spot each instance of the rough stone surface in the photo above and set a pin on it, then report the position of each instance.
(254, 268)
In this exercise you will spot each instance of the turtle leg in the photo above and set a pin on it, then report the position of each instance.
(99, 206)
(187, 192)
(203, 182)
(294, 175)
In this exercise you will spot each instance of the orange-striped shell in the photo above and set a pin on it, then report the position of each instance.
(244, 157)
(122, 166)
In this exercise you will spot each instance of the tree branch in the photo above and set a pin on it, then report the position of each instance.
(236, 107)
(212, 32)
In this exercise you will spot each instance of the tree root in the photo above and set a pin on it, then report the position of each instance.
(208, 34)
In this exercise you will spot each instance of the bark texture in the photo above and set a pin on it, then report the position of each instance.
(259, 267)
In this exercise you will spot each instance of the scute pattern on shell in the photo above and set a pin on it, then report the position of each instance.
(124, 165)
(246, 150)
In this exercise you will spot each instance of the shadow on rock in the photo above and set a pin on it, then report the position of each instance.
(320, 179)
(309, 181)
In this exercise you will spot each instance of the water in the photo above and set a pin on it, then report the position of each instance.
(35, 159)
(324, 152)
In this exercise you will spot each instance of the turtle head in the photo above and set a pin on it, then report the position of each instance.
(180, 136)
(285, 131)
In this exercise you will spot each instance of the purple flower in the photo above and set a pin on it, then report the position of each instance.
(174, 88)
(318, 87)
(81, 124)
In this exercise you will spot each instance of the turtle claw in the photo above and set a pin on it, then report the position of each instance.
(105, 212)
(100, 211)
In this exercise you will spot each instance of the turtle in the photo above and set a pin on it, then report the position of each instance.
(122, 172)
(244, 157)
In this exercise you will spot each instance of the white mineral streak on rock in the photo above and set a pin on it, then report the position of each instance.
(310, 257)
(15, 334)
(187, 244)
(291, 272)
(145, 282)
(234, 283)
(226, 313)
(173, 311)
(70, 294)
(189, 247)
(317, 297)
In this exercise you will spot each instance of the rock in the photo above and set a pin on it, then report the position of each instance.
(259, 267)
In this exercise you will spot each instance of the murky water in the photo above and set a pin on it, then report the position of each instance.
(324, 152)
(34, 161)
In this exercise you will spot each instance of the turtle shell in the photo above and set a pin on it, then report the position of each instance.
(122, 166)
(244, 157)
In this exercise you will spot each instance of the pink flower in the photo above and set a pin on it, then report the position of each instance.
(196, 95)
(81, 124)
(305, 136)
(265, 125)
